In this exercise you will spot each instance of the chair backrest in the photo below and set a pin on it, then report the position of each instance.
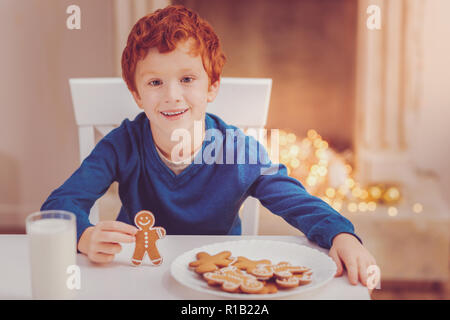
(103, 103)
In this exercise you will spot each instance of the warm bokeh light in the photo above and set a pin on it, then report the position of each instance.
(352, 207)
(364, 194)
(392, 194)
(312, 134)
(362, 206)
(294, 150)
(311, 160)
(291, 138)
(322, 171)
(356, 192)
(350, 182)
(392, 211)
(311, 180)
(320, 153)
(375, 192)
(283, 140)
(317, 143)
(295, 163)
(330, 192)
(417, 207)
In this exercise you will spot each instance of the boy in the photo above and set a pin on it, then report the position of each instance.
(172, 65)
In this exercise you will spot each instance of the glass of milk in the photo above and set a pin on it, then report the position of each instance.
(52, 241)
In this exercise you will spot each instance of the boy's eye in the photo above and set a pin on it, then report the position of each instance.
(187, 79)
(155, 83)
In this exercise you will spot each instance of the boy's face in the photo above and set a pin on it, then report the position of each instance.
(173, 82)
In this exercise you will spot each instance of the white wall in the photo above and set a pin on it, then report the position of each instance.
(38, 54)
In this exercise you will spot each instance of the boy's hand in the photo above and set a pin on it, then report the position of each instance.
(347, 250)
(101, 242)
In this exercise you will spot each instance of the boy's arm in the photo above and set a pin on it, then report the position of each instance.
(88, 183)
(286, 197)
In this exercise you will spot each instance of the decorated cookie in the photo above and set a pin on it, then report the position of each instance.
(286, 270)
(294, 281)
(232, 279)
(248, 265)
(288, 277)
(262, 271)
(304, 278)
(281, 270)
(146, 238)
(243, 275)
(207, 263)
(288, 283)
(269, 288)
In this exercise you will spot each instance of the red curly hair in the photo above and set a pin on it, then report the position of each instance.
(163, 29)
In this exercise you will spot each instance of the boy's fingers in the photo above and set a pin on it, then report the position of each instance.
(363, 272)
(333, 254)
(352, 272)
(109, 248)
(102, 258)
(118, 226)
(110, 236)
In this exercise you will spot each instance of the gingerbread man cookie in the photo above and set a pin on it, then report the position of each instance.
(248, 265)
(146, 238)
(269, 288)
(286, 270)
(304, 278)
(243, 275)
(294, 281)
(207, 263)
(262, 271)
(232, 279)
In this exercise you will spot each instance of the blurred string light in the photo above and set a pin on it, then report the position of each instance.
(308, 160)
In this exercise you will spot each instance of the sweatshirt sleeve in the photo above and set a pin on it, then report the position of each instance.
(286, 197)
(88, 183)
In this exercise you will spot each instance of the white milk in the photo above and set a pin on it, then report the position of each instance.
(52, 249)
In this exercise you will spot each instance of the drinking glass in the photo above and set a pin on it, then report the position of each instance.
(52, 242)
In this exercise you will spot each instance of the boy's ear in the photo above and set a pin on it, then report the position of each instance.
(137, 98)
(213, 90)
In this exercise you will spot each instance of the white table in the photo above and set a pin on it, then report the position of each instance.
(121, 280)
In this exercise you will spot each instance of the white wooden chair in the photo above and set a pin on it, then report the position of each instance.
(103, 103)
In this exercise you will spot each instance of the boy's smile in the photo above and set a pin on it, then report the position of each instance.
(173, 90)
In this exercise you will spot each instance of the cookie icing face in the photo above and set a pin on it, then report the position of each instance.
(144, 220)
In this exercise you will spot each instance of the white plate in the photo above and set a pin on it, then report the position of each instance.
(323, 267)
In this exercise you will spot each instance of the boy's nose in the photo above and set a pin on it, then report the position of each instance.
(172, 93)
